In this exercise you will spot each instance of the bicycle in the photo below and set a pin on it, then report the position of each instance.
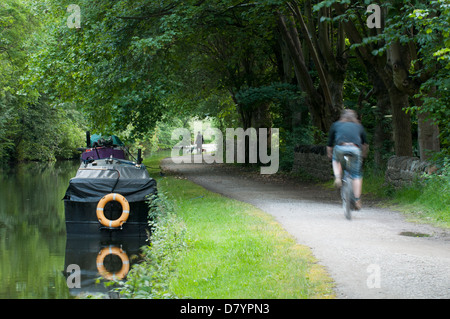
(348, 198)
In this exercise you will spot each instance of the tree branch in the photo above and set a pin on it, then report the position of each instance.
(323, 80)
(354, 35)
(324, 42)
(293, 44)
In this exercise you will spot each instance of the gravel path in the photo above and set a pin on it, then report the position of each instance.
(367, 257)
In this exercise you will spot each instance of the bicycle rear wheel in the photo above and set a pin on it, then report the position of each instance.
(346, 193)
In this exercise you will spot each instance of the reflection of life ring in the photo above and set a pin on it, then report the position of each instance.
(125, 210)
(115, 251)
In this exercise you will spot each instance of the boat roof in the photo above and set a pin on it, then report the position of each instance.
(112, 168)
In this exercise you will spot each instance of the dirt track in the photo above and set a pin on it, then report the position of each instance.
(368, 257)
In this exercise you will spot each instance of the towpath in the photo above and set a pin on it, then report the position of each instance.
(370, 256)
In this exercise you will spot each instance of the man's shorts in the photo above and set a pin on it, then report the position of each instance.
(355, 163)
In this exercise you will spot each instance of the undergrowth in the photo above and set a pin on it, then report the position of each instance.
(427, 199)
(149, 279)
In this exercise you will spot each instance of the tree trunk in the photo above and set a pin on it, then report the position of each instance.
(381, 134)
(285, 68)
(428, 136)
(336, 86)
(401, 122)
(324, 102)
(394, 74)
(314, 100)
(261, 119)
(398, 62)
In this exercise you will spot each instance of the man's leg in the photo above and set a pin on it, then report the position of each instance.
(357, 187)
(357, 179)
(337, 170)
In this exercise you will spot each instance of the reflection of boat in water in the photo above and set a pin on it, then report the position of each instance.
(97, 257)
(109, 192)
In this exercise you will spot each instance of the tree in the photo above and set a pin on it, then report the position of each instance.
(98, 67)
(30, 129)
(149, 44)
(327, 49)
(430, 23)
(16, 22)
(390, 68)
(400, 53)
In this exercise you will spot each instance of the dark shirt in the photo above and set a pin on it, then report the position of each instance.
(346, 132)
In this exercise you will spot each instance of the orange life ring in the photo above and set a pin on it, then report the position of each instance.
(125, 210)
(115, 251)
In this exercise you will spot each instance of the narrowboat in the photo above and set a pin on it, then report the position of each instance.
(109, 193)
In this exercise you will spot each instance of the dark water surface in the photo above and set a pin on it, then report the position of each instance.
(34, 249)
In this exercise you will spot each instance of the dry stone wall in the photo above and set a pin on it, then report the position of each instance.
(403, 170)
(313, 161)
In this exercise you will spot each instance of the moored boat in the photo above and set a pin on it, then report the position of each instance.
(109, 193)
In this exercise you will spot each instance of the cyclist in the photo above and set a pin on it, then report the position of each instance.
(348, 136)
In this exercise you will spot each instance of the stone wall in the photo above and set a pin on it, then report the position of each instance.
(312, 160)
(403, 170)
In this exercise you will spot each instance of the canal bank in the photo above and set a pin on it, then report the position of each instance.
(228, 249)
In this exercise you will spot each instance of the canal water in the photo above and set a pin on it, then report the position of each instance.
(37, 259)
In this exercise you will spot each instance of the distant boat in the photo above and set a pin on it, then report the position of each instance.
(109, 193)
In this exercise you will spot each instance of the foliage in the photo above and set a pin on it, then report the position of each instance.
(276, 92)
(8, 124)
(132, 68)
(172, 59)
(150, 278)
(428, 199)
(157, 139)
(303, 135)
(32, 125)
(424, 28)
(48, 133)
(74, 65)
(15, 22)
(431, 23)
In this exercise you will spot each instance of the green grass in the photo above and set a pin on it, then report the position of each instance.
(237, 251)
(426, 201)
(234, 250)
(429, 202)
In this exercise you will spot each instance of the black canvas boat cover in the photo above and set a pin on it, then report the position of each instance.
(93, 189)
(92, 182)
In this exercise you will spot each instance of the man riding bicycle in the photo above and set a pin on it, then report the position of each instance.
(348, 136)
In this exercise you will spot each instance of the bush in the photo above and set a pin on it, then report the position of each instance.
(150, 278)
(46, 133)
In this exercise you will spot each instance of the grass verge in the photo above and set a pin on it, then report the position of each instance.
(426, 200)
(429, 203)
(216, 247)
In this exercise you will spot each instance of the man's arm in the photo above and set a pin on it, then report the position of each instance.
(330, 152)
(331, 141)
